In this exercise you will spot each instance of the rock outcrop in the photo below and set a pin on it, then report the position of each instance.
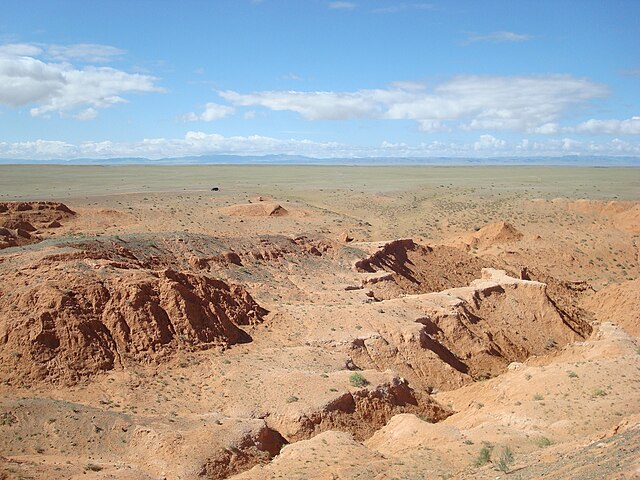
(21, 223)
(71, 315)
(470, 332)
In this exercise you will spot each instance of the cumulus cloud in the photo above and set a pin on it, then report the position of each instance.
(489, 142)
(342, 5)
(60, 86)
(499, 37)
(201, 143)
(525, 103)
(630, 126)
(212, 111)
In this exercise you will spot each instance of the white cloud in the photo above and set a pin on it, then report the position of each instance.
(489, 142)
(629, 126)
(201, 143)
(342, 5)
(87, 114)
(547, 129)
(431, 126)
(408, 85)
(20, 49)
(84, 52)
(61, 87)
(499, 37)
(211, 112)
(315, 105)
(525, 103)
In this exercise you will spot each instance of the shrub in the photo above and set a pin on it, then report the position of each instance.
(8, 418)
(484, 456)
(543, 442)
(357, 380)
(506, 460)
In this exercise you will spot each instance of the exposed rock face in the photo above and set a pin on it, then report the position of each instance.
(360, 412)
(619, 304)
(472, 332)
(418, 268)
(20, 221)
(72, 315)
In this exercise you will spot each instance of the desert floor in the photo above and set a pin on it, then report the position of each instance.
(319, 322)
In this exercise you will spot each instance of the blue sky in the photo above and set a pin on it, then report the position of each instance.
(321, 78)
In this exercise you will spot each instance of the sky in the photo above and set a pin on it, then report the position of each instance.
(320, 78)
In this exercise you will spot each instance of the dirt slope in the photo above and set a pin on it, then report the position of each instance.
(619, 304)
(73, 314)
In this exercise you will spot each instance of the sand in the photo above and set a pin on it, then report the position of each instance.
(319, 322)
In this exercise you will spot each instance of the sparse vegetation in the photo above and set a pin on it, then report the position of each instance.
(357, 380)
(484, 456)
(543, 442)
(319, 334)
(505, 460)
(8, 418)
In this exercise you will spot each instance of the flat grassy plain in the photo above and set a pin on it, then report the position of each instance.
(44, 182)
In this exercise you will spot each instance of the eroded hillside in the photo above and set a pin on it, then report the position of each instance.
(285, 339)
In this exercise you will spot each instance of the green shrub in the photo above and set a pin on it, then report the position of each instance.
(543, 442)
(357, 380)
(484, 456)
(506, 460)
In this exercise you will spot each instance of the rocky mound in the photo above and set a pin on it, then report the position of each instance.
(258, 209)
(489, 235)
(22, 222)
(67, 316)
(471, 332)
(360, 411)
(416, 268)
(619, 304)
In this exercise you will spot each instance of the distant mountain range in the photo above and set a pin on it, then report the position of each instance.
(571, 160)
